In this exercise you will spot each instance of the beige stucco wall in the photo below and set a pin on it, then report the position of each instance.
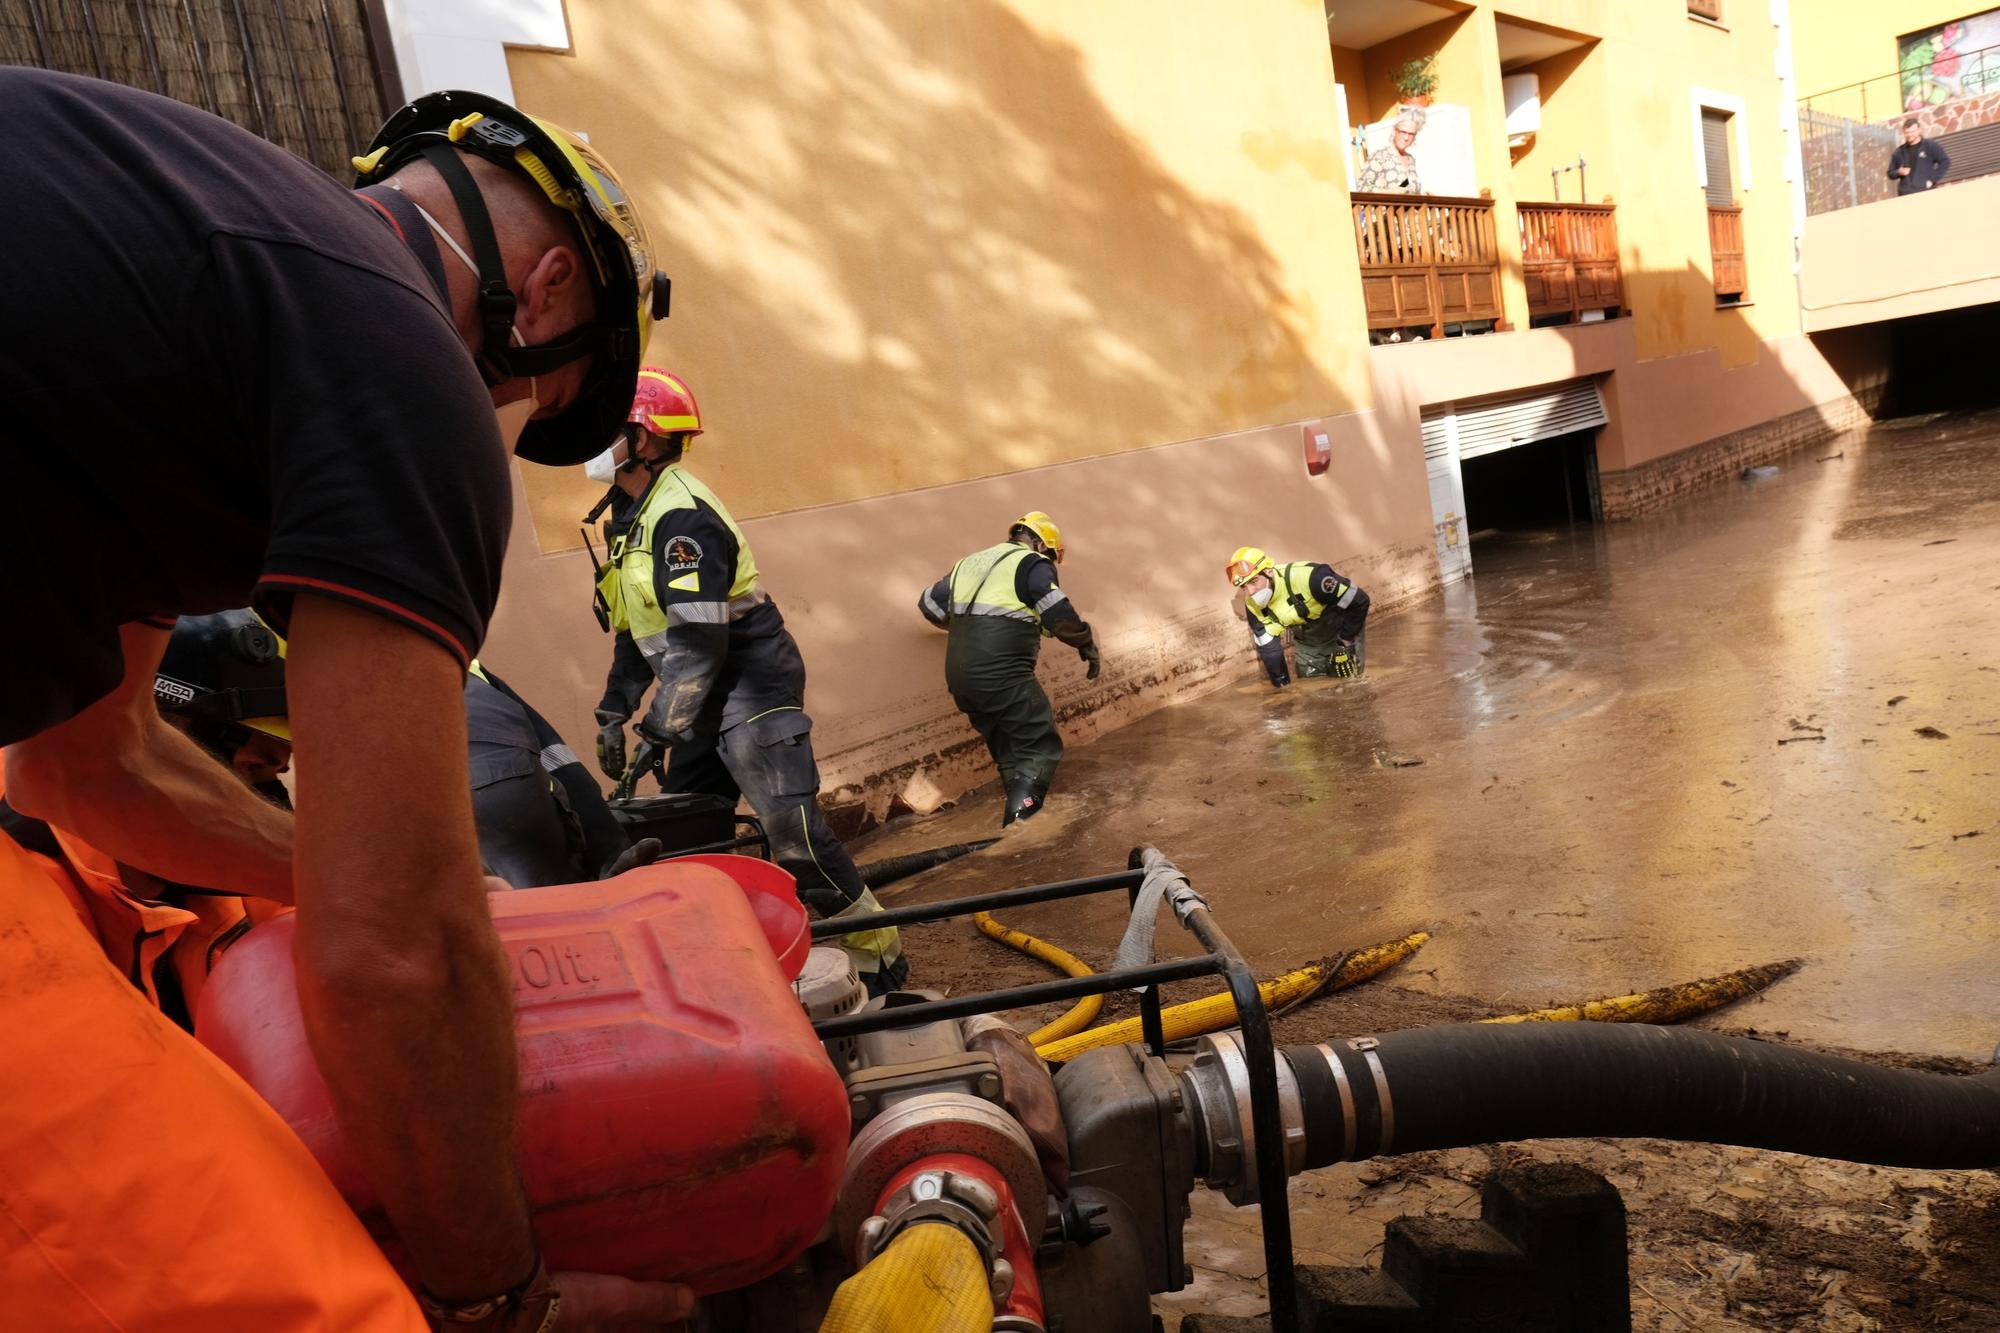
(1900, 257)
(1147, 532)
(917, 244)
(1657, 405)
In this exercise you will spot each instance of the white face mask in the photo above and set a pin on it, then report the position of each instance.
(1262, 597)
(533, 399)
(603, 469)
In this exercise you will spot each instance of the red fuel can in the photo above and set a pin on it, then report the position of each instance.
(678, 1118)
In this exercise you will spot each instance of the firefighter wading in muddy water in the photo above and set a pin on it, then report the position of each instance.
(729, 713)
(997, 603)
(1325, 612)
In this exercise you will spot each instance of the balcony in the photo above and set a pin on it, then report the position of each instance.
(1427, 262)
(1847, 134)
(1725, 249)
(1569, 261)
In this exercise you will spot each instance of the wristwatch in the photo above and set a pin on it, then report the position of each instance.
(504, 1306)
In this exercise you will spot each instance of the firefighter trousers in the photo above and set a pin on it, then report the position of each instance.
(768, 761)
(144, 1187)
(1011, 713)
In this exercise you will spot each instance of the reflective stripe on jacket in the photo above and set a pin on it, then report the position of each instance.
(982, 584)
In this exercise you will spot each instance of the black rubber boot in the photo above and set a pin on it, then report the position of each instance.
(1024, 799)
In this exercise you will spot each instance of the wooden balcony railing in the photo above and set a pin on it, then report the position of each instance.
(1569, 259)
(1427, 261)
(1725, 248)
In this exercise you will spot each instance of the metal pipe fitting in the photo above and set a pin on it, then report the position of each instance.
(1217, 1087)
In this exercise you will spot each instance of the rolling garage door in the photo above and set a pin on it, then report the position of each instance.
(1488, 425)
(1453, 432)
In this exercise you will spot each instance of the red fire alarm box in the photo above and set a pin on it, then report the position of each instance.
(1319, 450)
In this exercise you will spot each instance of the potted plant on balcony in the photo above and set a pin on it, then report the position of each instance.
(1416, 80)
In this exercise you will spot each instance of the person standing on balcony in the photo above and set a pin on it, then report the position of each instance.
(1393, 169)
(1918, 164)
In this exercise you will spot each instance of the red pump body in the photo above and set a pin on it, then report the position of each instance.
(678, 1118)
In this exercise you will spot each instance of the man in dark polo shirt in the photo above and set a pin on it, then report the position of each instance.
(227, 379)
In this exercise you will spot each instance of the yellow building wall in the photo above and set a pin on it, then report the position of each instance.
(1841, 42)
(918, 244)
(1350, 71)
(1633, 97)
(1663, 215)
(1575, 123)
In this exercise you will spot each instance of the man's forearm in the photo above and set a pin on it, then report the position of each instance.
(687, 670)
(402, 981)
(139, 791)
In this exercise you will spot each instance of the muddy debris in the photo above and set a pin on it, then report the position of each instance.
(1898, 699)
(1933, 734)
(1386, 759)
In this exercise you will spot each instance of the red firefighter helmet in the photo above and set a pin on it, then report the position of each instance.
(664, 404)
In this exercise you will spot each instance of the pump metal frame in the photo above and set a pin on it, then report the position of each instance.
(1222, 959)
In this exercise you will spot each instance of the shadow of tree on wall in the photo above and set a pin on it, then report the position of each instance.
(911, 245)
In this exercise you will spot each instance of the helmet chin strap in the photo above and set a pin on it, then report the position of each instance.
(503, 354)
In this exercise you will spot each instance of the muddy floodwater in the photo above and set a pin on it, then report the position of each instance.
(1762, 724)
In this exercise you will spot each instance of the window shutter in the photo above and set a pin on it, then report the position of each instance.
(1715, 152)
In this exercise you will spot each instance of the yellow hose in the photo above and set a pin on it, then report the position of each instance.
(1219, 1011)
(1668, 1004)
(929, 1280)
(1083, 1013)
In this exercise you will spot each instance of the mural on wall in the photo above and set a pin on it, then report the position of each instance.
(1957, 59)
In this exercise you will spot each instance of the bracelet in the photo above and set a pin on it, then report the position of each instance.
(507, 1303)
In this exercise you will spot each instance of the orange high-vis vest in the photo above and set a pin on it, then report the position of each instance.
(144, 1188)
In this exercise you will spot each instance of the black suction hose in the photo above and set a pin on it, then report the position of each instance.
(890, 869)
(1471, 1083)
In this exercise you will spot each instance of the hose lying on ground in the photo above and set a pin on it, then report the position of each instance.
(1668, 1004)
(1081, 1014)
(892, 868)
(1465, 1084)
(1219, 1011)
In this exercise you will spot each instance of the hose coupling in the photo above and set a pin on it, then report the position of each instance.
(957, 1200)
(1217, 1085)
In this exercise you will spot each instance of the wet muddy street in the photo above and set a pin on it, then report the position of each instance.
(1764, 723)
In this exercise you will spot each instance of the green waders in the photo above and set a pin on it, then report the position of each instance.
(989, 665)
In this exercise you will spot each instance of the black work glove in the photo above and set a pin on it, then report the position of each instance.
(1343, 660)
(644, 760)
(610, 744)
(641, 853)
(1091, 656)
(660, 738)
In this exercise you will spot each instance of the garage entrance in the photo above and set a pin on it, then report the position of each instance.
(1520, 460)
